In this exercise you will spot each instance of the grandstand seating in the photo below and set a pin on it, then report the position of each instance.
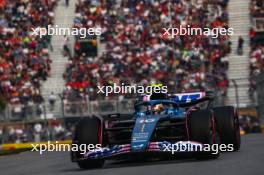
(135, 52)
(256, 38)
(24, 57)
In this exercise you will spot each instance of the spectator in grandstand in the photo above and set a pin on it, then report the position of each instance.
(52, 100)
(66, 46)
(37, 132)
(240, 46)
(1, 136)
(252, 35)
(249, 124)
(20, 136)
(59, 131)
(49, 37)
(11, 135)
(67, 3)
(257, 8)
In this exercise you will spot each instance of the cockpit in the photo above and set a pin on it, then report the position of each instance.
(157, 107)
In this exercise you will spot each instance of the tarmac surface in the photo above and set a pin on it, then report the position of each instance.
(249, 160)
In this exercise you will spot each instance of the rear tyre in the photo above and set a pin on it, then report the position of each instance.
(88, 131)
(201, 126)
(228, 126)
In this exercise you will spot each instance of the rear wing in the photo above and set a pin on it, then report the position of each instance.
(184, 98)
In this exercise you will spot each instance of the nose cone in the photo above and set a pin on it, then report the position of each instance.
(142, 132)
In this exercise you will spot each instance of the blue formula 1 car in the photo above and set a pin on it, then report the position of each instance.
(159, 122)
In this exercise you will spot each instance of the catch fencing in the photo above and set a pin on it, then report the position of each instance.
(65, 109)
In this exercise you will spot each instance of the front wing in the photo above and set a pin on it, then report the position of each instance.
(153, 147)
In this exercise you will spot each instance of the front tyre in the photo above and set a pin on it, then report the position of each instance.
(88, 131)
(201, 126)
(228, 126)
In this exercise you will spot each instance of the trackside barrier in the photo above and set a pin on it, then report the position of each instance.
(25, 146)
(61, 109)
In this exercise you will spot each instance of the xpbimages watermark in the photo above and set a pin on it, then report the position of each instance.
(132, 89)
(188, 146)
(61, 31)
(61, 147)
(181, 30)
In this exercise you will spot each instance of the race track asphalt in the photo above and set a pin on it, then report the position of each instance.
(248, 161)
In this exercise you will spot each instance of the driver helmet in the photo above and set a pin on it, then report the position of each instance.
(158, 108)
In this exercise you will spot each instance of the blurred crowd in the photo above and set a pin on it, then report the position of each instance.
(256, 64)
(257, 8)
(24, 57)
(36, 132)
(257, 45)
(249, 124)
(136, 53)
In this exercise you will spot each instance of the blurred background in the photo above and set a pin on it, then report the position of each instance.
(48, 83)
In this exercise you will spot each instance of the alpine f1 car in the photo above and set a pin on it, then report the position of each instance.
(158, 121)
